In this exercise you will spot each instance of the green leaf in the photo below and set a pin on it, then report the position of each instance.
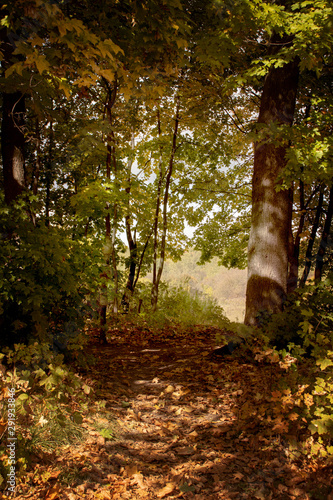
(86, 388)
(324, 363)
(125, 404)
(106, 433)
(23, 397)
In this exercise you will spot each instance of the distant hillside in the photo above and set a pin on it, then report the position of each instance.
(226, 285)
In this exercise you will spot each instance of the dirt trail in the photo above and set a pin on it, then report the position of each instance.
(176, 419)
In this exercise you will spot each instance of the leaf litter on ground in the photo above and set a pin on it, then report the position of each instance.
(167, 420)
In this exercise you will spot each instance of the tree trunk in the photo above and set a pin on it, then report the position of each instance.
(295, 245)
(308, 255)
(48, 175)
(154, 292)
(138, 269)
(324, 239)
(269, 237)
(12, 144)
(157, 277)
(125, 301)
(109, 243)
(38, 166)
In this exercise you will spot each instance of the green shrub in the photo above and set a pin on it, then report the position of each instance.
(306, 321)
(303, 333)
(44, 279)
(49, 401)
(182, 304)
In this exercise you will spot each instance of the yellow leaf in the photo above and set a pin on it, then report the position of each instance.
(41, 64)
(65, 88)
(107, 74)
(53, 492)
(168, 488)
(131, 470)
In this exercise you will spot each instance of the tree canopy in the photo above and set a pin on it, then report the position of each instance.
(138, 118)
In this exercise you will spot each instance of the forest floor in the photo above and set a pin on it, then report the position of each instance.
(169, 419)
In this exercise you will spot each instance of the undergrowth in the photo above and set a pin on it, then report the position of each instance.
(178, 305)
(298, 343)
(41, 404)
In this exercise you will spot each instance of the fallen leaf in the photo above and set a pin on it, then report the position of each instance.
(131, 470)
(261, 495)
(53, 493)
(168, 488)
(139, 480)
(238, 475)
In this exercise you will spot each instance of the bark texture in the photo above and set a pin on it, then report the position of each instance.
(269, 237)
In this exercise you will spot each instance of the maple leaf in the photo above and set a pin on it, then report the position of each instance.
(280, 426)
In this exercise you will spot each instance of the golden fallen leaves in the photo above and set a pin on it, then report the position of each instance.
(168, 488)
(180, 429)
(53, 492)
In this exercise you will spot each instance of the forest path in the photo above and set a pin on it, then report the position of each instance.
(172, 421)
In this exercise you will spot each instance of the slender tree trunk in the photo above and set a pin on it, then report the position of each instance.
(269, 237)
(138, 270)
(48, 175)
(154, 297)
(308, 254)
(292, 281)
(295, 246)
(109, 247)
(36, 173)
(324, 239)
(114, 233)
(125, 301)
(157, 212)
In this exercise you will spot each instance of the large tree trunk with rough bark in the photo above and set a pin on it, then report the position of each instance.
(269, 237)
